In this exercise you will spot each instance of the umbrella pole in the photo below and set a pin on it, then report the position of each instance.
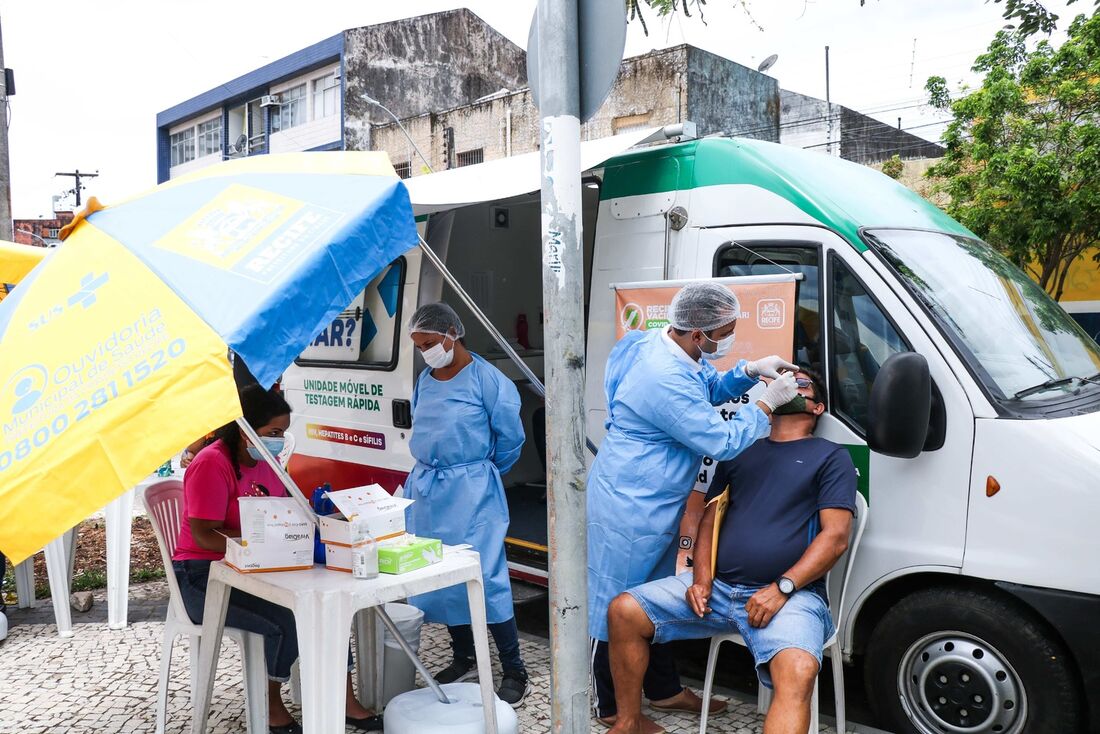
(290, 484)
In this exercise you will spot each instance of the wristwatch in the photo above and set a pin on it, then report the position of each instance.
(786, 586)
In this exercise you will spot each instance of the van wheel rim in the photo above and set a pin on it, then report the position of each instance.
(955, 682)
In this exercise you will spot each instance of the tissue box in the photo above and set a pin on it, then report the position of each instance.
(276, 535)
(385, 514)
(408, 553)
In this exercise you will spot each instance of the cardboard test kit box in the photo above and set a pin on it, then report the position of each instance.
(385, 515)
(276, 535)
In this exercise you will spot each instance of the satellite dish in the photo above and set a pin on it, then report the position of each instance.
(767, 63)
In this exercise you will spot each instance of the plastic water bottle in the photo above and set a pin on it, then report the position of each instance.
(364, 550)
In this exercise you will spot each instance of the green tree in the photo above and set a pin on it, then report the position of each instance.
(1032, 16)
(1023, 150)
(893, 167)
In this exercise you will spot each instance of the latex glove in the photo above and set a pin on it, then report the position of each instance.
(780, 391)
(768, 367)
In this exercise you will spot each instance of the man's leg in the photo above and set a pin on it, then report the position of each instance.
(793, 672)
(788, 655)
(630, 631)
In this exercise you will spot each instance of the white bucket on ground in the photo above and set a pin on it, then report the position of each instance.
(399, 673)
(420, 712)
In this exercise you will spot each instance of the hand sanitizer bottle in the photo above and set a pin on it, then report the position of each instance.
(364, 550)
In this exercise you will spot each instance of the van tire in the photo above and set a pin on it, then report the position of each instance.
(948, 656)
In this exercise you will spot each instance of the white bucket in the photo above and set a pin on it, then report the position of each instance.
(398, 672)
(420, 712)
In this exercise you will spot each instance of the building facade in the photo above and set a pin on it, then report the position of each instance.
(460, 91)
(41, 232)
(655, 89)
(315, 99)
(808, 122)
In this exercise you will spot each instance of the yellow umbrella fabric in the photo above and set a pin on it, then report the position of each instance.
(15, 262)
(113, 353)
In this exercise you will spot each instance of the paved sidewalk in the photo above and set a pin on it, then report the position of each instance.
(102, 681)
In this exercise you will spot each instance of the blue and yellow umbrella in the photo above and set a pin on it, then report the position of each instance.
(113, 351)
(15, 262)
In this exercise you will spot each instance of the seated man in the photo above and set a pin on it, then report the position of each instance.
(792, 498)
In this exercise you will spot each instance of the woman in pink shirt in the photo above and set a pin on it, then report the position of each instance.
(229, 468)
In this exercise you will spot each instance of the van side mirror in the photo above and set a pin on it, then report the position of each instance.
(900, 406)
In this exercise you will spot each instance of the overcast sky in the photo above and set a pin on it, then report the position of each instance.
(91, 77)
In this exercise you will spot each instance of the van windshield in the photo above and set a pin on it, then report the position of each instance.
(1020, 342)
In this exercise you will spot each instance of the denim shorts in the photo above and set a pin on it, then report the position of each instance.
(803, 622)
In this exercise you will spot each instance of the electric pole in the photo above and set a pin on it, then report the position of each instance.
(563, 298)
(77, 175)
(5, 174)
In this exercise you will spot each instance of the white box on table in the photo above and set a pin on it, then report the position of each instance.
(276, 535)
(385, 515)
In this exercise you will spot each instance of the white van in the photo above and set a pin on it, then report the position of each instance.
(974, 604)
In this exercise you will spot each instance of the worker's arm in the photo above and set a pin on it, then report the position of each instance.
(698, 594)
(822, 554)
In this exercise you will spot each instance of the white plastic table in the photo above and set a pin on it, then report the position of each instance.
(324, 603)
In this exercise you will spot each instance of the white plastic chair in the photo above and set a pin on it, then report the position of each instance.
(842, 571)
(163, 503)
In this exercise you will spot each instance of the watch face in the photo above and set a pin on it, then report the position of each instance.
(786, 585)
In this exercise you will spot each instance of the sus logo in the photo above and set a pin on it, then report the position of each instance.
(771, 313)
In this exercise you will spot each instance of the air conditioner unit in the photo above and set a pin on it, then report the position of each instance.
(269, 100)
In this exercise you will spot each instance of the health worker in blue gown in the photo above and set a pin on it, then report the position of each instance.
(661, 389)
(466, 434)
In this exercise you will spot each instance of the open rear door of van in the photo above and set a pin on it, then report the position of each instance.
(491, 272)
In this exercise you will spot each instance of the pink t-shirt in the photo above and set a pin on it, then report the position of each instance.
(210, 492)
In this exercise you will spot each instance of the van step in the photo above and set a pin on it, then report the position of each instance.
(525, 593)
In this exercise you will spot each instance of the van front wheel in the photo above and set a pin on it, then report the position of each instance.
(956, 660)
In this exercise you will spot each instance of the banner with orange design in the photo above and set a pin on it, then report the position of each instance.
(765, 325)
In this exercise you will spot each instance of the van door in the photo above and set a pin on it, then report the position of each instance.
(849, 323)
(350, 390)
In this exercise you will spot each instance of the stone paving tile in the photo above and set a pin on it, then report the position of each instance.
(103, 681)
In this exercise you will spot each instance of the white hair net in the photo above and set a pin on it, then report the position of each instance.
(704, 305)
(436, 318)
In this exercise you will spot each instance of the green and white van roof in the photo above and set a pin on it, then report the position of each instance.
(838, 194)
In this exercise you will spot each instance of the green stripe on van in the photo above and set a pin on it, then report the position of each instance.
(841, 195)
(861, 457)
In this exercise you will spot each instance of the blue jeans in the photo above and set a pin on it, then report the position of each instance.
(505, 634)
(803, 622)
(245, 612)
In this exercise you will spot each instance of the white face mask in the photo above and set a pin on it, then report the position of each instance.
(438, 356)
(723, 348)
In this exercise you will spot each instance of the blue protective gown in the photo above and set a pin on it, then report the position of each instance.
(660, 425)
(466, 433)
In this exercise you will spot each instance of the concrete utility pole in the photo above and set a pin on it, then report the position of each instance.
(828, 108)
(562, 298)
(77, 175)
(5, 172)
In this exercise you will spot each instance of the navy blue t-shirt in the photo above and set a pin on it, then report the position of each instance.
(777, 489)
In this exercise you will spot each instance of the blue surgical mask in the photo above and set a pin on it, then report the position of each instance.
(274, 444)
